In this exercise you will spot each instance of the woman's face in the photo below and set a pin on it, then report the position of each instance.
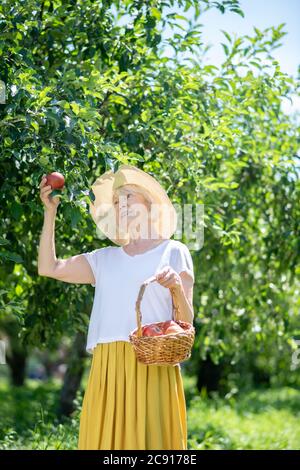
(124, 201)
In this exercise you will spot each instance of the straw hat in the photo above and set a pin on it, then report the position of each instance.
(163, 214)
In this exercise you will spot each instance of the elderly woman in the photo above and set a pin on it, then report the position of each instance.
(127, 404)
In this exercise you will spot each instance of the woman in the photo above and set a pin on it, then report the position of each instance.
(127, 404)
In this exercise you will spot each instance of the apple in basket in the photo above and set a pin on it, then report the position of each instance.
(168, 323)
(172, 328)
(152, 330)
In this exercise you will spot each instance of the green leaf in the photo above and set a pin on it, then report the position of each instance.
(156, 13)
(19, 290)
(238, 11)
(75, 107)
(227, 35)
(226, 49)
(8, 255)
(35, 125)
(16, 210)
(75, 215)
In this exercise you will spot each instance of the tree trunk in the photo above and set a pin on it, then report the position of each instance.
(17, 352)
(209, 375)
(17, 365)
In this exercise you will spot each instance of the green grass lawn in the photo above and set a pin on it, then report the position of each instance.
(258, 419)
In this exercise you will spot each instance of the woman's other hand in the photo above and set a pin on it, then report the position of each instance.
(169, 278)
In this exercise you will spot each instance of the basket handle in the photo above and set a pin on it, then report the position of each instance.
(139, 300)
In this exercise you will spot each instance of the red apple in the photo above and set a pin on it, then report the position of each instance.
(56, 180)
(173, 330)
(168, 323)
(152, 330)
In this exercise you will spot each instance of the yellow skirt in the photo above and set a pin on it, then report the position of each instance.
(131, 406)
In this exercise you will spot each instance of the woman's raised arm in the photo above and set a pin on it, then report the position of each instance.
(74, 269)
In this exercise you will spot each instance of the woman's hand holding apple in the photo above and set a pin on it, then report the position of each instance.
(50, 203)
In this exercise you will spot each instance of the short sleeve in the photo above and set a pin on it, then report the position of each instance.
(95, 260)
(183, 261)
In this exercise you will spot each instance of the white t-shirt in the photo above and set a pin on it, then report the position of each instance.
(118, 278)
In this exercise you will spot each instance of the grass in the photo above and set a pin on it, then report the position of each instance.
(28, 418)
(257, 419)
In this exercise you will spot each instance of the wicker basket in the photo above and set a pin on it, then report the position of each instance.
(168, 349)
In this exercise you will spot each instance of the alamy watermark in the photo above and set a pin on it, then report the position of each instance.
(185, 220)
(2, 92)
(2, 352)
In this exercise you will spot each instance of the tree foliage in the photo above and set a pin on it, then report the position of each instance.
(89, 86)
